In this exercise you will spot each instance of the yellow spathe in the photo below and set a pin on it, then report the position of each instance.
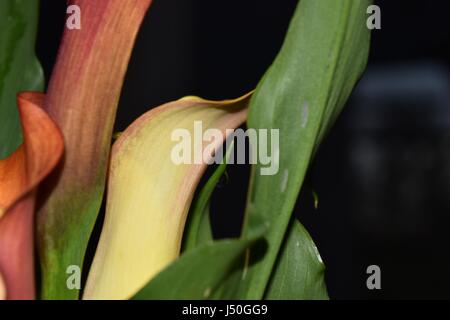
(149, 195)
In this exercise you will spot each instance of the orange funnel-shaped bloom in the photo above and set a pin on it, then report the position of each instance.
(20, 175)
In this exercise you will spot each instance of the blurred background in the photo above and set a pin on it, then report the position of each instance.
(382, 175)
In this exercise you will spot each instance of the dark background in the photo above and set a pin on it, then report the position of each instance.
(383, 173)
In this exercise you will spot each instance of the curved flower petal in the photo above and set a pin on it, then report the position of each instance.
(149, 194)
(20, 174)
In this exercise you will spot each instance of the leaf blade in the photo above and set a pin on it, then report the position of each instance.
(19, 68)
(322, 58)
(203, 270)
(299, 272)
(198, 230)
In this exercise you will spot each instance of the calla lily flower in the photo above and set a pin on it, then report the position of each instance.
(149, 195)
(20, 175)
(82, 97)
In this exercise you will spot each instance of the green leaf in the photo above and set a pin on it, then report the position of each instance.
(19, 67)
(299, 272)
(323, 56)
(199, 273)
(198, 229)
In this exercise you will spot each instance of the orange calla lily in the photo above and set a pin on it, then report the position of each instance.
(20, 175)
